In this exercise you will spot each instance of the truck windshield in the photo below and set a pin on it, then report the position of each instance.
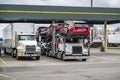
(76, 40)
(70, 40)
(26, 37)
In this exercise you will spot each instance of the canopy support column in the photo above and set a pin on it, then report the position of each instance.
(53, 38)
(105, 36)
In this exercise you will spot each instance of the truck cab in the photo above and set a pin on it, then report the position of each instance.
(72, 49)
(26, 46)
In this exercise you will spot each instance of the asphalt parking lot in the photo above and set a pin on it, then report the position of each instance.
(100, 66)
(95, 57)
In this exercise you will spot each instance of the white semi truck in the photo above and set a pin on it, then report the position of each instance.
(72, 50)
(20, 41)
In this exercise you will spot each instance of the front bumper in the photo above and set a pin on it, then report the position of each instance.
(76, 57)
(22, 54)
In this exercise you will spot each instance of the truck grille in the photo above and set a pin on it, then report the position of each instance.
(30, 49)
(77, 49)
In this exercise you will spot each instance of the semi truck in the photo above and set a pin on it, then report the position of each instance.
(72, 45)
(20, 41)
(69, 41)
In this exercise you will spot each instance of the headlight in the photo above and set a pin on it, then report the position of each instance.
(85, 51)
(20, 49)
(37, 48)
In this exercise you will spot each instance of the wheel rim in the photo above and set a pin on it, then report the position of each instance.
(15, 52)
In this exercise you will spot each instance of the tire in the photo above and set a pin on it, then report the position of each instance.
(47, 53)
(84, 59)
(14, 53)
(42, 51)
(5, 51)
(18, 58)
(37, 57)
(63, 56)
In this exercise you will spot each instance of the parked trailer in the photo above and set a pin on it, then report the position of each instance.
(114, 39)
(20, 41)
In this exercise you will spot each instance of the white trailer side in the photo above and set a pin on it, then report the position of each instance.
(114, 39)
(9, 32)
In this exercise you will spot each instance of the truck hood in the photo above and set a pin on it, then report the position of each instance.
(28, 42)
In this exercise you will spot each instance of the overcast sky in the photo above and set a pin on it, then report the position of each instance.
(84, 3)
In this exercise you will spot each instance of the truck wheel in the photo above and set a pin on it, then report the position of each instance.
(5, 51)
(84, 59)
(37, 57)
(14, 53)
(18, 58)
(47, 53)
(63, 57)
(57, 55)
(42, 51)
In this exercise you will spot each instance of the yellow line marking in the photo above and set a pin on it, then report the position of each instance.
(2, 75)
(2, 61)
(5, 76)
(59, 12)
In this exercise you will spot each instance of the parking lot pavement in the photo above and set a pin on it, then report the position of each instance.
(96, 68)
(100, 66)
(95, 57)
(109, 51)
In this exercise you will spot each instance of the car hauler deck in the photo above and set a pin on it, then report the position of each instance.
(69, 43)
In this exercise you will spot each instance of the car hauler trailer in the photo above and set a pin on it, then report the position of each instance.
(20, 41)
(68, 42)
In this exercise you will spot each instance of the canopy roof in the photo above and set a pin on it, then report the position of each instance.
(45, 14)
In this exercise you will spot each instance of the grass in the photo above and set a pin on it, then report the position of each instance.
(113, 47)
